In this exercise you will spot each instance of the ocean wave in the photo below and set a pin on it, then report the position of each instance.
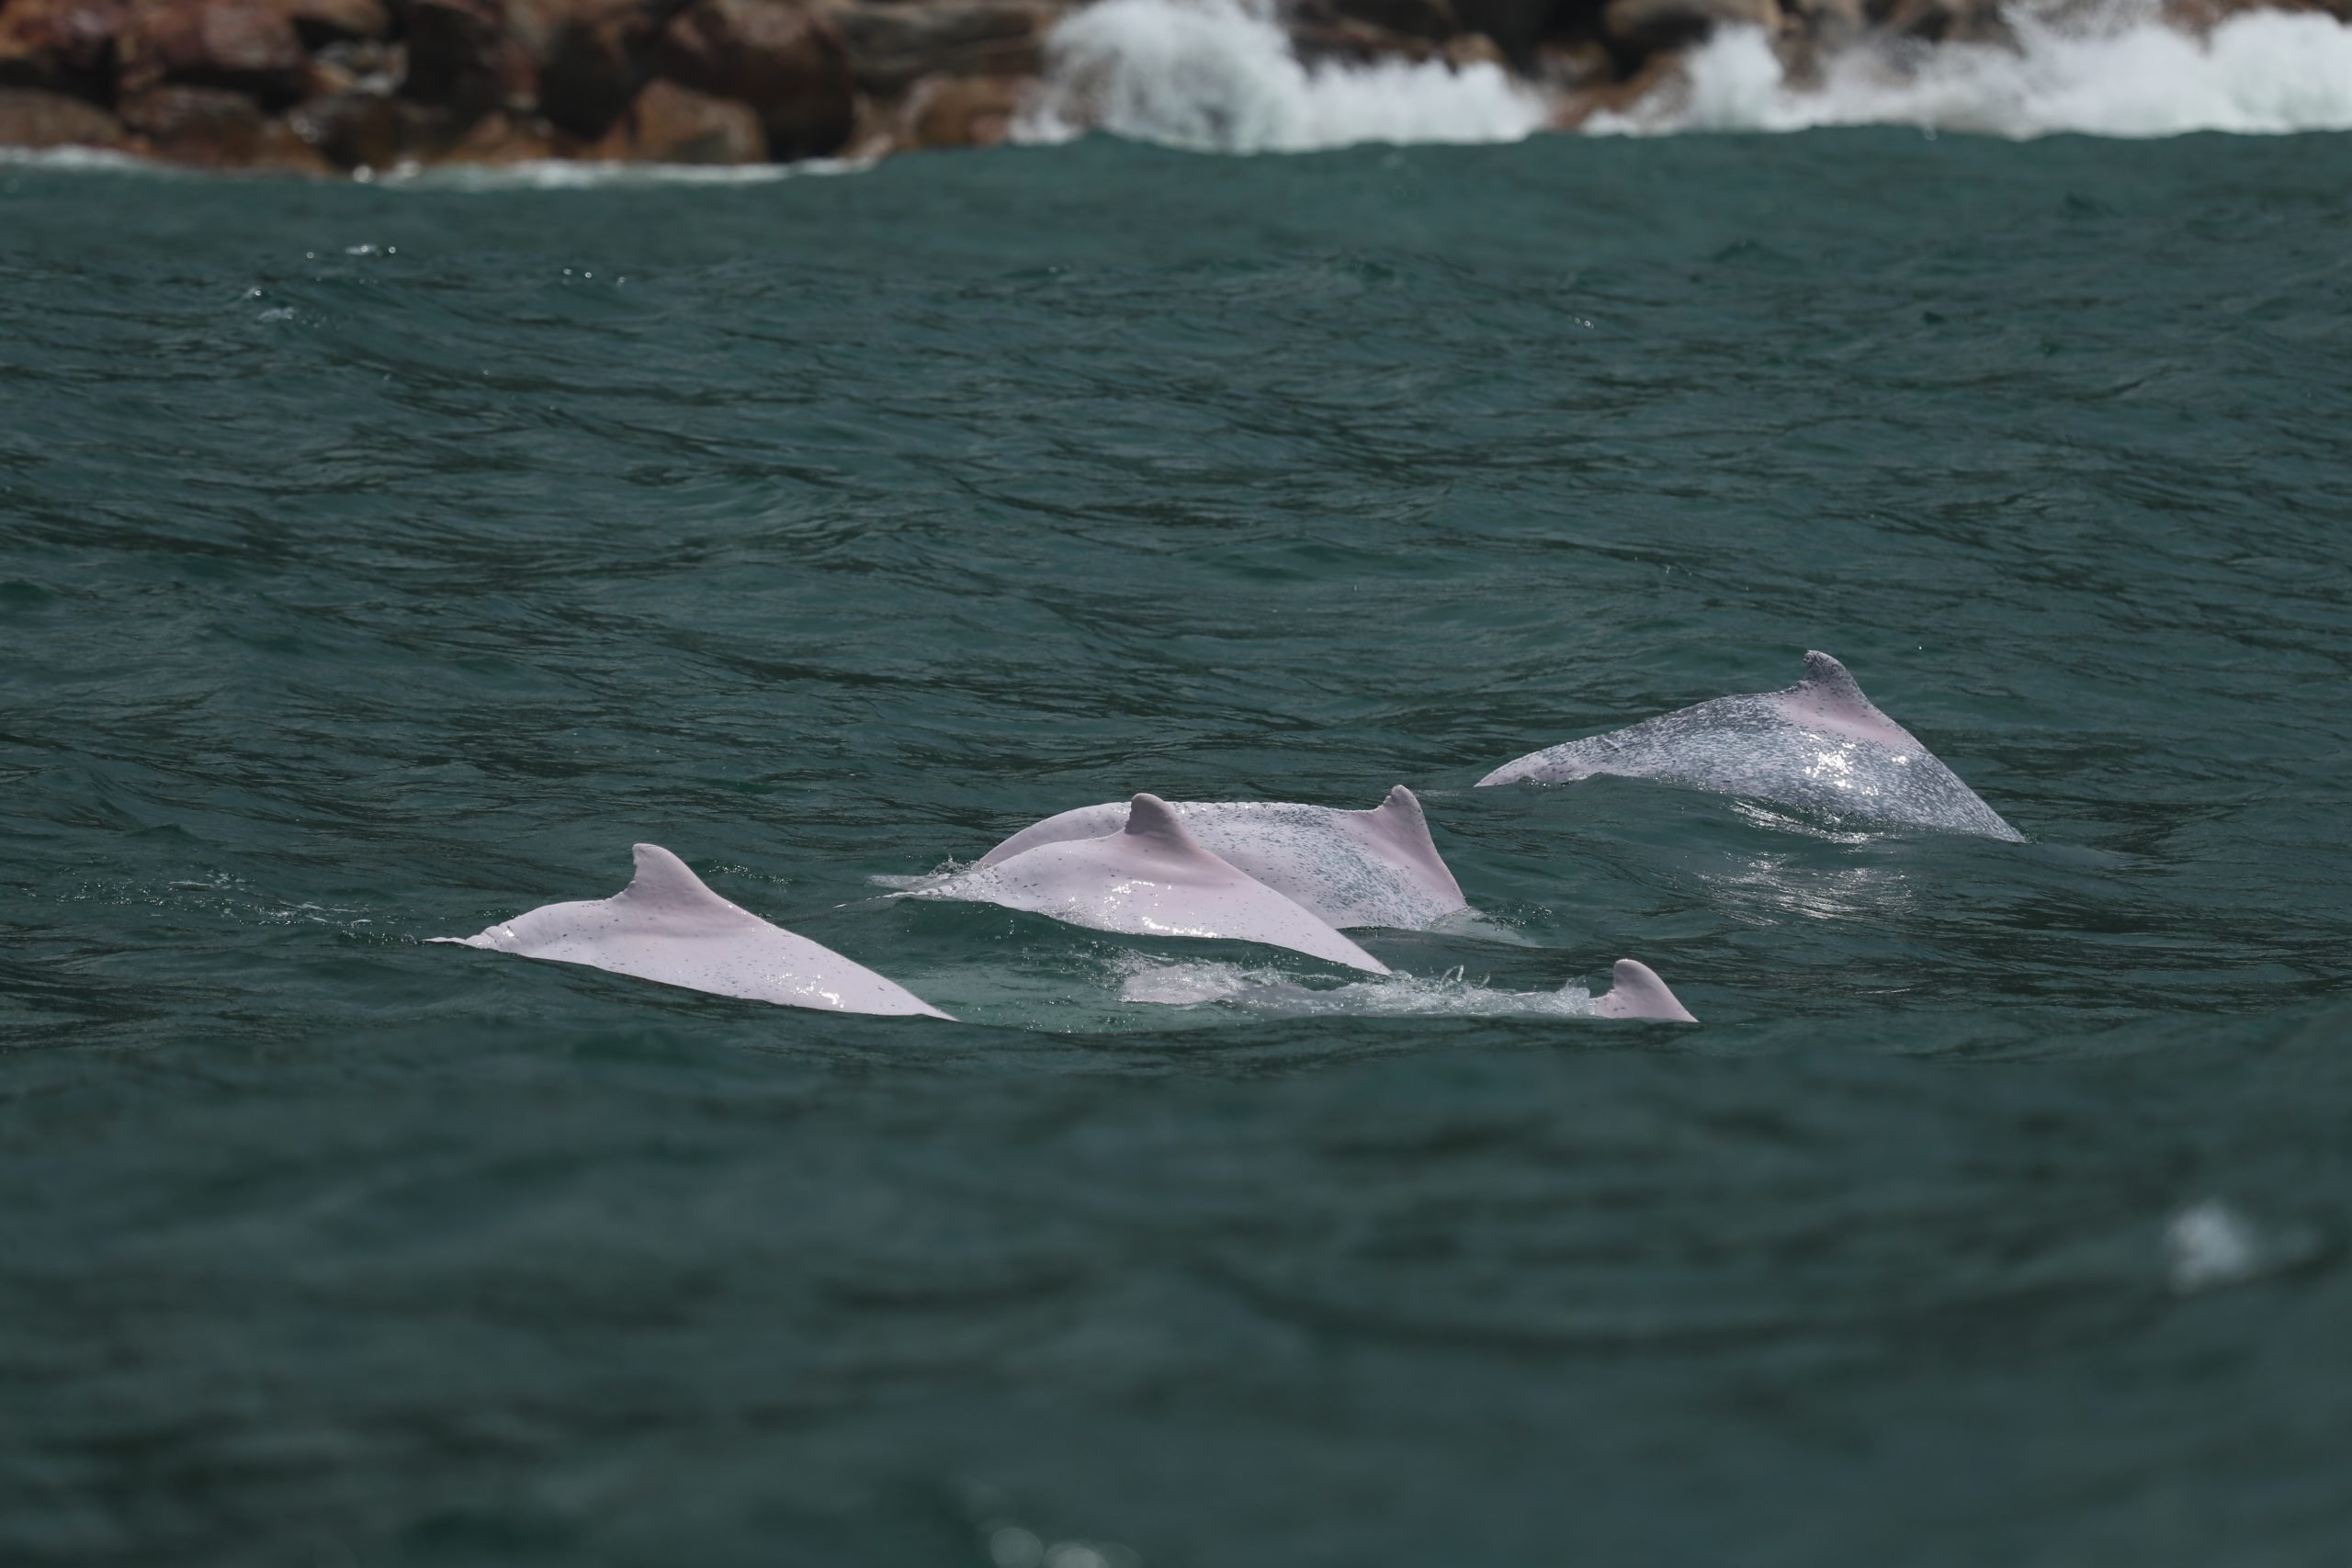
(1220, 76)
(2118, 71)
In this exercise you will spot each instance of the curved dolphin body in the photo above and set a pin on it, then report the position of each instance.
(1150, 877)
(665, 926)
(1820, 746)
(1353, 868)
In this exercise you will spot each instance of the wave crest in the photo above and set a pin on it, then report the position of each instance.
(2121, 73)
(1220, 76)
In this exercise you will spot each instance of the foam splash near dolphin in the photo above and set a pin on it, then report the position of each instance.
(1820, 746)
(668, 927)
(1635, 992)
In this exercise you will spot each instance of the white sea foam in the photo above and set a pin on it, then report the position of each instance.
(2208, 1244)
(2116, 71)
(554, 174)
(1272, 993)
(1219, 76)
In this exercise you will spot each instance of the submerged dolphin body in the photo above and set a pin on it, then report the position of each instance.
(1149, 877)
(1352, 868)
(665, 926)
(1820, 746)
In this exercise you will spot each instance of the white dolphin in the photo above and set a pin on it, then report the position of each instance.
(1150, 877)
(665, 926)
(1820, 745)
(1353, 868)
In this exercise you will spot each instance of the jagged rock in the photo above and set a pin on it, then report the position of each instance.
(463, 57)
(33, 117)
(893, 44)
(1465, 51)
(244, 46)
(783, 59)
(353, 129)
(1516, 26)
(216, 128)
(670, 124)
(1434, 19)
(1827, 26)
(961, 112)
(67, 45)
(320, 23)
(1945, 21)
(1663, 75)
(1568, 67)
(502, 136)
(594, 59)
(1345, 42)
(1639, 28)
(358, 65)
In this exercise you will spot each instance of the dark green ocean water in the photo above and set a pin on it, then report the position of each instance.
(376, 563)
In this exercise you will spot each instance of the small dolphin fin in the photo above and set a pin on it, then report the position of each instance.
(1155, 822)
(1402, 823)
(1832, 688)
(664, 882)
(1636, 991)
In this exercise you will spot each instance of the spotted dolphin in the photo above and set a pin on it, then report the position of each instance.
(667, 927)
(1353, 868)
(1820, 746)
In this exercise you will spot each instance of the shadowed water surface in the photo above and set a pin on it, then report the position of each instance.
(379, 563)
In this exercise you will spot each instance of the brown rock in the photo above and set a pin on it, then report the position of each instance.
(245, 46)
(30, 116)
(1433, 20)
(68, 45)
(1466, 49)
(1663, 76)
(353, 129)
(1946, 21)
(1829, 25)
(781, 58)
(593, 57)
(501, 136)
(322, 22)
(892, 45)
(961, 112)
(1639, 28)
(1516, 26)
(215, 129)
(670, 124)
(463, 57)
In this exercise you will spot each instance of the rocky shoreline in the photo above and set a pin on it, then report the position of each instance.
(329, 87)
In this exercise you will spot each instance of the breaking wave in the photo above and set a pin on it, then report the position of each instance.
(1219, 76)
(2120, 72)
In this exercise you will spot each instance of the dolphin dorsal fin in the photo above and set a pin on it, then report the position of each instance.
(1402, 823)
(1636, 991)
(664, 885)
(1830, 686)
(1155, 822)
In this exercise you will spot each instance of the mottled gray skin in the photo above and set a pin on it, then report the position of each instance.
(1820, 746)
(1353, 868)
